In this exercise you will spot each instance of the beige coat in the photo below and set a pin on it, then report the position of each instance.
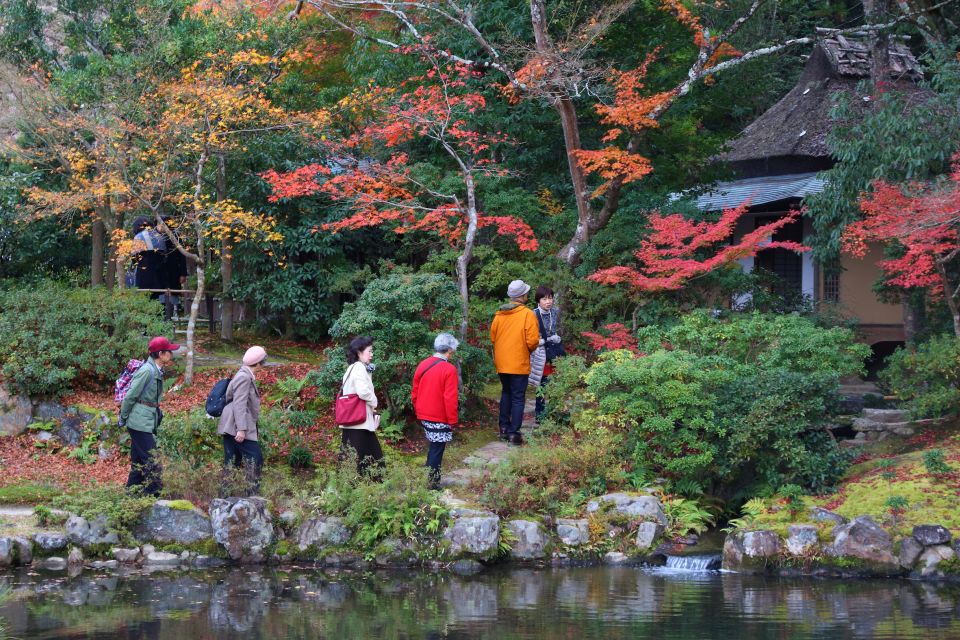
(243, 406)
(357, 380)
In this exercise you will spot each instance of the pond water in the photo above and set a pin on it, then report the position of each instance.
(576, 603)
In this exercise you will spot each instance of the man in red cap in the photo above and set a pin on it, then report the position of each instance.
(140, 414)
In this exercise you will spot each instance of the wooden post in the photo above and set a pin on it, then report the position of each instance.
(213, 323)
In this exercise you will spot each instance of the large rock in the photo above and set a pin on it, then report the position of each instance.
(639, 507)
(573, 533)
(15, 412)
(802, 539)
(820, 514)
(531, 540)
(175, 521)
(47, 411)
(24, 551)
(933, 556)
(161, 559)
(471, 531)
(648, 533)
(930, 535)
(910, 550)
(7, 552)
(50, 541)
(126, 556)
(863, 538)
(761, 544)
(70, 431)
(84, 533)
(243, 526)
(748, 551)
(322, 531)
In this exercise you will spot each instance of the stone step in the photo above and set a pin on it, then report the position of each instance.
(885, 415)
(899, 428)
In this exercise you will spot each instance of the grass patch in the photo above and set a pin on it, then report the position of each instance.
(29, 494)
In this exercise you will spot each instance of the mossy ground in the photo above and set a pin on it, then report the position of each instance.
(891, 469)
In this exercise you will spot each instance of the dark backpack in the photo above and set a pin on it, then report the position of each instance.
(217, 398)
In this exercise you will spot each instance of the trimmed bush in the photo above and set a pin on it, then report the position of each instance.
(54, 337)
(927, 378)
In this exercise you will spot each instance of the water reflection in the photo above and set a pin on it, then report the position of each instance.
(608, 603)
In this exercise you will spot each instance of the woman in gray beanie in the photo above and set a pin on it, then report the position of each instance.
(436, 397)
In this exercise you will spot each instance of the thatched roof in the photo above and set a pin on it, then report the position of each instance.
(791, 136)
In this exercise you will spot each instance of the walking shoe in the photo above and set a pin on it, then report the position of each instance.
(504, 435)
(516, 440)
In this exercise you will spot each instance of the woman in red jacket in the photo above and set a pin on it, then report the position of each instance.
(436, 396)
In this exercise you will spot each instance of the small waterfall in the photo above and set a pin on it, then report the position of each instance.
(694, 563)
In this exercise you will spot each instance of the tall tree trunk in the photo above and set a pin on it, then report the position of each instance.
(463, 260)
(226, 259)
(950, 295)
(195, 304)
(98, 235)
(913, 315)
(875, 12)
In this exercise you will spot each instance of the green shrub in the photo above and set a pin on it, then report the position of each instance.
(191, 438)
(733, 407)
(926, 379)
(300, 458)
(935, 462)
(398, 506)
(555, 477)
(123, 509)
(53, 336)
(402, 312)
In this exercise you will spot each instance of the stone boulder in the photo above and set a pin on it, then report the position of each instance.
(84, 533)
(476, 532)
(820, 514)
(126, 556)
(637, 507)
(243, 526)
(24, 550)
(70, 431)
(50, 541)
(930, 535)
(615, 557)
(864, 539)
(15, 412)
(531, 540)
(933, 556)
(748, 551)
(910, 550)
(176, 521)
(7, 552)
(322, 531)
(802, 539)
(161, 559)
(573, 533)
(648, 533)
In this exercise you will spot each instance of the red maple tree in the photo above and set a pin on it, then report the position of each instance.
(679, 249)
(371, 169)
(923, 219)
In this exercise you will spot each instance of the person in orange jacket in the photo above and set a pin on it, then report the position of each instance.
(514, 334)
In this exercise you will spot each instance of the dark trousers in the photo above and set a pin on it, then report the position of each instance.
(541, 402)
(366, 446)
(145, 469)
(512, 395)
(434, 459)
(245, 455)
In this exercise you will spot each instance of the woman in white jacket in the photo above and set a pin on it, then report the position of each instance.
(362, 437)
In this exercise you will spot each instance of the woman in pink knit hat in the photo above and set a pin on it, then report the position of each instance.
(238, 422)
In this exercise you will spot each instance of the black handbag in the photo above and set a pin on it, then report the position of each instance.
(553, 349)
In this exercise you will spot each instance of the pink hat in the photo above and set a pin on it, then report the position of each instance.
(254, 355)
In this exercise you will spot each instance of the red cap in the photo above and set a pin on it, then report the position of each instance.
(161, 344)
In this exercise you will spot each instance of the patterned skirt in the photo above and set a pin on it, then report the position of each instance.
(437, 431)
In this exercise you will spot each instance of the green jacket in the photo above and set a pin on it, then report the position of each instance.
(146, 386)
